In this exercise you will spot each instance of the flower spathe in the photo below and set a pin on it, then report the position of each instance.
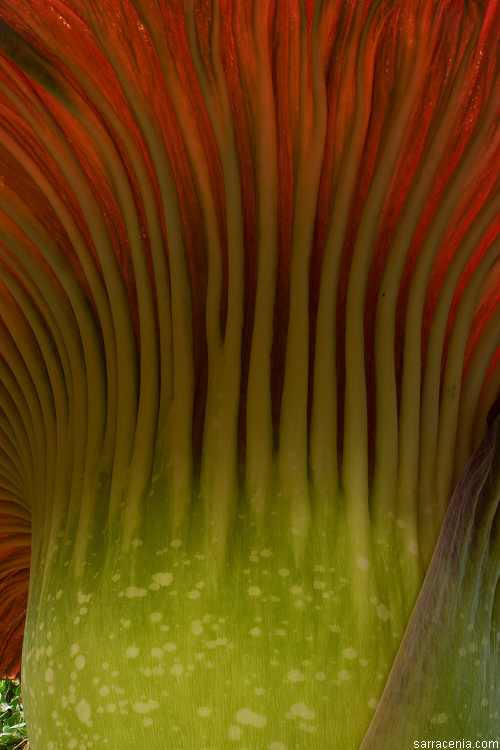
(249, 330)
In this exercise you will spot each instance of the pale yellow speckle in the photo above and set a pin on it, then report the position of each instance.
(194, 594)
(255, 631)
(163, 579)
(344, 675)
(132, 592)
(176, 670)
(49, 675)
(382, 612)
(439, 719)
(132, 652)
(363, 563)
(204, 711)
(413, 547)
(283, 572)
(80, 662)
(176, 543)
(250, 718)
(234, 733)
(83, 711)
(157, 653)
(300, 711)
(104, 690)
(320, 676)
(254, 591)
(155, 616)
(294, 675)
(373, 703)
(74, 649)
(169, 646)
(144, 707)
(350, 653)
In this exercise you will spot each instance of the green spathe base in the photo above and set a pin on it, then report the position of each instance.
(154, 640)
(143, 648)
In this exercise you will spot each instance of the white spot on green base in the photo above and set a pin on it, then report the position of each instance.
(163, 579)
(83, 711)
(300, 711)
(413, 548)
(234, 733)
(203, 711)
(132, 592)
(382, 612)
(143, 707)
(250, 718)
(294, 675)
(350, 653)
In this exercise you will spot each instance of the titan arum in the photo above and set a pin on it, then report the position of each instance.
(249, 339)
